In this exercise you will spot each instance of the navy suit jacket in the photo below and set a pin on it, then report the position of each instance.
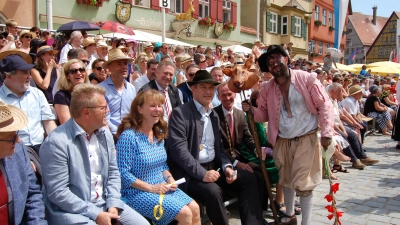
(27, 197)
(186, 92)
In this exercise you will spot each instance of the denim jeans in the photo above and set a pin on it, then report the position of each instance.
(354, 150)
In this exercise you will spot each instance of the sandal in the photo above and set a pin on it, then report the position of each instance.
(339, 168)
(281, 212)
(333, 170)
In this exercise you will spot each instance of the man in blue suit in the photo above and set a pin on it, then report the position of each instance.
(20, 195)
(80, 174)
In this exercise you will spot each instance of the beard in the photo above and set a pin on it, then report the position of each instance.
(283, 72)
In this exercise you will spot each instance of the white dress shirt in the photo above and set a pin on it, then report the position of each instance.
(207, 154)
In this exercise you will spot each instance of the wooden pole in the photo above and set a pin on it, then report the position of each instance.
(262, 164)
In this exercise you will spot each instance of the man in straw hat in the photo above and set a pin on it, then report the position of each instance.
(20, 195)
(17, 91)
(89, 44)
(148, 49)
(81, 178)
(119, 92)
(102, 50)
(196, 153)
(294, 104)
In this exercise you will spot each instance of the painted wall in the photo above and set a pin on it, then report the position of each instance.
(22, 11)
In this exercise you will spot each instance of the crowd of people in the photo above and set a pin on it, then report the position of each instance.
(97, 132)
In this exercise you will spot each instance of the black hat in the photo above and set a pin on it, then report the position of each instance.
(262, 61)
(14, 62)
(202, 76)
(37, 43)
(5, 34)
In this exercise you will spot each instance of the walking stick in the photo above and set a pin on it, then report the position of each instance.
(263, 169)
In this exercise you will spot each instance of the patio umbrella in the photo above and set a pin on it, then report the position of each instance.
(345, 68)
(384, 63)
(78, 25)
(335, 53)
(238, 49)
(356, 66)
(383, 70)
(115, 27)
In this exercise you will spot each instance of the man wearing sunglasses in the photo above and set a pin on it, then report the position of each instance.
(163, 51)
(184, 87)
(17, 91)
(20, 195)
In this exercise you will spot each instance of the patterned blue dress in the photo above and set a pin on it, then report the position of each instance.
(139, 159)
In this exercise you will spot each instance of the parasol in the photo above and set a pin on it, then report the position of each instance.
(78, 25)
(115, 27)
(335, 53)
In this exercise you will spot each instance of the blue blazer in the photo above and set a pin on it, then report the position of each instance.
(66, 175)
(27, 197)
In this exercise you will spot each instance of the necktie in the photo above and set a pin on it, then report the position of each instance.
(231, 127)
(3, 200)
(166, 105)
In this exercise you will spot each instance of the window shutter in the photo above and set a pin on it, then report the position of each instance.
(155, 5)
(220, 11)
(303, 29)
(196, 8)
(279, 22)
(185, 6)
(213, 9)
(268, 22)
(293, 26)
(234, 13)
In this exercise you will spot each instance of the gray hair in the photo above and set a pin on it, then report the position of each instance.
(3, 75)
(333, 87)
(376, 90)
(75, 34)
(165, 63)
(83, 96)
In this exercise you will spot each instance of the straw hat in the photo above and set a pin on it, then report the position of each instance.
(11, 118)
(186, 58)
(123, 48)
(27, 32)
(25, 56)
(44, 49)
(98, 37)
(88, 41)
(148, 44)
(103, 44)
(355, 89)
(116, 54)
(238, 60)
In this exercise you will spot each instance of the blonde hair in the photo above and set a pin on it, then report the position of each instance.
(83, 97)
(11, 23)
(64, 83)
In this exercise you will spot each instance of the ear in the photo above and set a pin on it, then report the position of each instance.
(227, 72)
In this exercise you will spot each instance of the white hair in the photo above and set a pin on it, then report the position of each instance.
(75, 34)
(334, 86)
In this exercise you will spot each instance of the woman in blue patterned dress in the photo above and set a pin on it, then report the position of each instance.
(142, 163)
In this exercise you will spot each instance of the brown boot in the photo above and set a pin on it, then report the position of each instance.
(358, 165)
(292, 221)
(368, 161)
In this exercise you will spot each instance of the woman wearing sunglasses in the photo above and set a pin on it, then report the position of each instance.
(45, 74)
(72, 74)
(25, 37)
(100, 74)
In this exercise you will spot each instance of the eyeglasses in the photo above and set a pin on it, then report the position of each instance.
(27, 36)
(203, 61)
(12, 140)
(85, 61)
(75, 71)
(102, 107)
(191, 74)
(99, 68)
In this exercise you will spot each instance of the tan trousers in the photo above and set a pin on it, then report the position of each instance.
(299, 162)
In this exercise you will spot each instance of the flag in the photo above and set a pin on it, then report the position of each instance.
(391, 56)
(353, 55)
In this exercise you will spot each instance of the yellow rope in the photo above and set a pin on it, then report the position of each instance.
(158, 209)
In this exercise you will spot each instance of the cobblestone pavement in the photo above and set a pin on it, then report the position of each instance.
(370, 196)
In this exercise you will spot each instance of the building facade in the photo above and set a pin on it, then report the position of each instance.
(384, 46)
(362, 31)
(22, 11)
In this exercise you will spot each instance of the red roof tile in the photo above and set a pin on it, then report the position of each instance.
(366, 31)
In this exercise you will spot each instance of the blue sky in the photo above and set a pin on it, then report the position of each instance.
(385, 7)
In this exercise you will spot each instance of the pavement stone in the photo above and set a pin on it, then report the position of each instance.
(368, 197)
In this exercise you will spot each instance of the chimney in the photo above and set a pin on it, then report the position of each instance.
(374, 14)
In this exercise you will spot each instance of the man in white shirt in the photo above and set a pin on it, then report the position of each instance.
(73, 43)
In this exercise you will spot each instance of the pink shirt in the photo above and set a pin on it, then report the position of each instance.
(270, 99)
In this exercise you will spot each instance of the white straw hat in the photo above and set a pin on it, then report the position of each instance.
(11, 118)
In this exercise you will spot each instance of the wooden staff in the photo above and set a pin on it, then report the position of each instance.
(263, 169)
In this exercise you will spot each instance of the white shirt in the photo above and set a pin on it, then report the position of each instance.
(64, 53)
(96, 180)
(91, 60)
(302, 120)
(351, 105)
(140, 82)
(207, 152)
(239, 98)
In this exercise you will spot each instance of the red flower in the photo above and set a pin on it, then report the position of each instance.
(329, 208)
(335, 187)
(329, 198)
(340, 223)
(330, 216)
(339, 214)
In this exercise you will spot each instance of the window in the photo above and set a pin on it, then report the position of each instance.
(330, 19)
(284, 22)
(346, 61)
(348, 42)
(380, 51)
(324, 17)
(393, 38)
(346, 51)
(176, 6)
(226, 6)
(204, 8)
(386, 52)
(316, 13)
(312, 46)
(297, 25)
(145, 3)
(327, 45)
(320, 46)
(274, 22)
(362, 50)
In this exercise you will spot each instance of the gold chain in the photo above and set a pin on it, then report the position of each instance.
(229, 136)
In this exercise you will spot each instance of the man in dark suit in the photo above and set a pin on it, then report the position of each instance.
(234, 133)
(162, 83)
(196, 153)
(20, 195)
(187, 95)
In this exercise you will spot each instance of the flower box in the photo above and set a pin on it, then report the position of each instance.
(229, 26)
(97, 3)
(331, 28)
(318, 22)
(314, 54)
(207, 21)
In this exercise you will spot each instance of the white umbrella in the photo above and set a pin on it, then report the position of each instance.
(157, 38)
(238, 49)
(137, 36)
(335, 53)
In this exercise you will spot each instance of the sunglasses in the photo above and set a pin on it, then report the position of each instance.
(122, 43)
(99, 68)
(12, 140)
(203, 61)
(75, 71)
(2, 37)
(27, 36)
(85, 61)
(191, 74)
